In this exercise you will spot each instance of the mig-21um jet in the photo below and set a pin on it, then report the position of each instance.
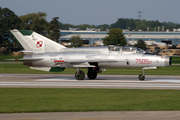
(42, 53)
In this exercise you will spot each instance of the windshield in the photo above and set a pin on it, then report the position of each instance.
(125, 49)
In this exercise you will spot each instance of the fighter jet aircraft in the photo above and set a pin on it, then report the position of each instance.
(44, 54)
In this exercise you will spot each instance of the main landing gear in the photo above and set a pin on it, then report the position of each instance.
(92, 74)
(142, 76)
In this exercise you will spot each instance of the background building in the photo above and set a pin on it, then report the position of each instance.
(94, 36)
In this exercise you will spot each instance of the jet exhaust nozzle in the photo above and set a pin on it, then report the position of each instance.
(168, 61)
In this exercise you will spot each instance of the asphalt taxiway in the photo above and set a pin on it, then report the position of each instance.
(115, 115)
(102, 81)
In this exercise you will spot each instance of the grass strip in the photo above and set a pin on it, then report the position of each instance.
(15, 100)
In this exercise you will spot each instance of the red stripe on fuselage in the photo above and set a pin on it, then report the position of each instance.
(59, 61)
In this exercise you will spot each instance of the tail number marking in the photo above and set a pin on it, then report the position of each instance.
(39, 44)
(143, 61)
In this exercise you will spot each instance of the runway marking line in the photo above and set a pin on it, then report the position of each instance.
(62, 84)
(156, 80)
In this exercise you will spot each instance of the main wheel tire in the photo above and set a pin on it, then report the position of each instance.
(92, 74)
(80, 75)
(141, 77)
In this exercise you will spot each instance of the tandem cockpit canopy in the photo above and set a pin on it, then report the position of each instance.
(125, 49)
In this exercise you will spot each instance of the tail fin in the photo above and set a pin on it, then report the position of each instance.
(32, 41)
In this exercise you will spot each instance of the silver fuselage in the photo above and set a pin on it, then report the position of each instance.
(103, 56)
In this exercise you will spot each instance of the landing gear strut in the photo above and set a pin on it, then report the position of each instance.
(79, 75)
(142, 76)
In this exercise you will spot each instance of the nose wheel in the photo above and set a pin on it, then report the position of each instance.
(142, 76)
(79, 75)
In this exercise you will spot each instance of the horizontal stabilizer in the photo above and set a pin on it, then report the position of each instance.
(49, 69)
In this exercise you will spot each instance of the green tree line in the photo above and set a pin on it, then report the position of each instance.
(33, 21)
(129, 24)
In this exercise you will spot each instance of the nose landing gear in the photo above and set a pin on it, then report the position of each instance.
(142, 76)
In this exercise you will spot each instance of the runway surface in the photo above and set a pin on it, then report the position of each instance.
(102, 81)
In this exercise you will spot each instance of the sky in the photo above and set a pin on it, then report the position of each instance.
(97, 12)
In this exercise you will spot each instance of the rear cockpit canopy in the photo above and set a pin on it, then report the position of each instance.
(125, 49)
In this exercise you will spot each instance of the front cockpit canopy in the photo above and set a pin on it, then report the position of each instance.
(125, 49)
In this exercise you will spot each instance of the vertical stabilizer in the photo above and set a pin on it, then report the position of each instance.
(32, 41)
